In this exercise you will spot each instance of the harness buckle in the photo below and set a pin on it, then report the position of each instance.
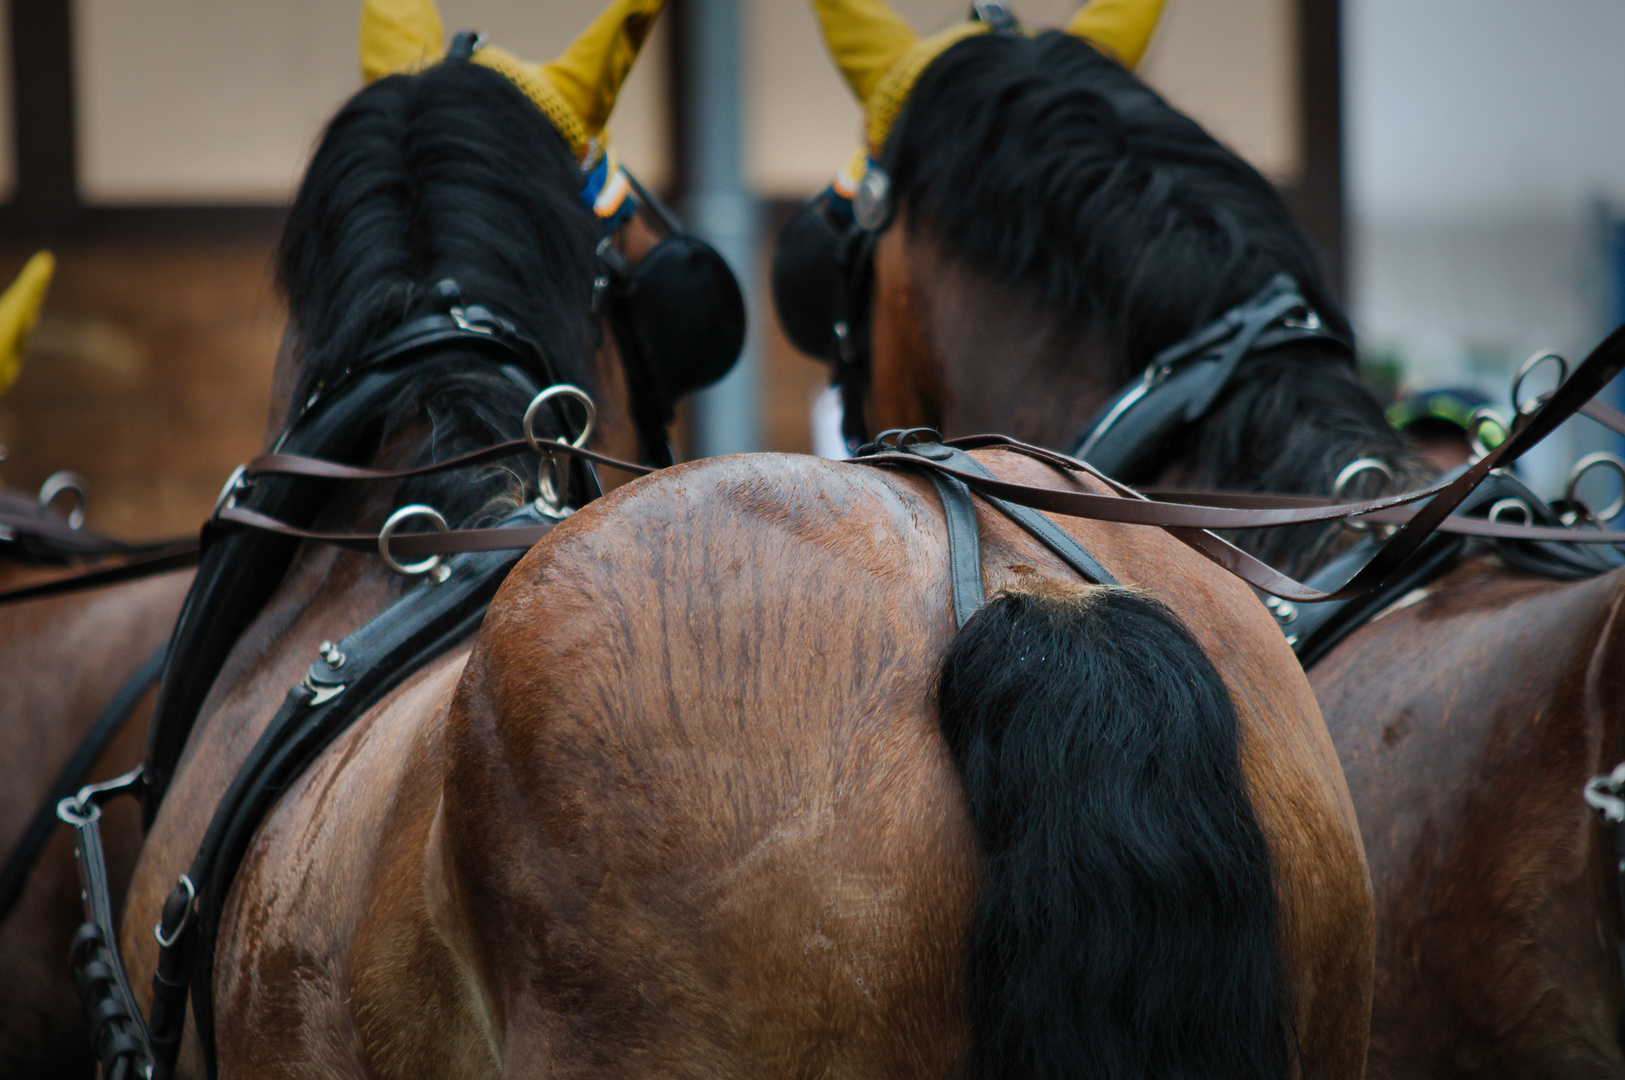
(177, 912)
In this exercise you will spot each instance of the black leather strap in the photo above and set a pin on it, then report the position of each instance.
(1183, 381)
(177, 556)
(375, 659)
(964, 546)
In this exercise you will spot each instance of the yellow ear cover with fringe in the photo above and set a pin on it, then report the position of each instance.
(866, 38)
(589, 74)
(1119, 28)
(576, 92)
(399, 36)
(19, 311)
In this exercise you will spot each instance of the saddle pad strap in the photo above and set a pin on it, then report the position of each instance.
(964, 546)
(1040, 527)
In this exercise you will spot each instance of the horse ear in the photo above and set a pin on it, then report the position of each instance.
(866, 38)
(399, 36)
(1118, 28)
(19, 311)
(577, 91)
(590, 72)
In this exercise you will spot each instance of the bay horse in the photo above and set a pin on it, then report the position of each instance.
(1054, 227)
(720, 787)
(65, 661)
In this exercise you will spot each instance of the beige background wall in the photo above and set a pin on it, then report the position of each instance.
(1229, 63)
(221, 100)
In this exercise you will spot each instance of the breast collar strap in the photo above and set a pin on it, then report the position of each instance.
(1183, 381)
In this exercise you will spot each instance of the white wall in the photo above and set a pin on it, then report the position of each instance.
(1468, 109)
(1482, 135)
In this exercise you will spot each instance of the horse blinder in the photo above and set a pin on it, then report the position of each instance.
(678, 318)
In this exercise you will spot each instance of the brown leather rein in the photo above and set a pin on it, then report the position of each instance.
(1417, 513)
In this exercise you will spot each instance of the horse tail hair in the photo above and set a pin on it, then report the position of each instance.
(1128, 924)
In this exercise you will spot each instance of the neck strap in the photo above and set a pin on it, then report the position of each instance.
(1183, 381)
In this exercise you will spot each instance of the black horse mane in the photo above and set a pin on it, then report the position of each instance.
(1054, 170)
(451, 173)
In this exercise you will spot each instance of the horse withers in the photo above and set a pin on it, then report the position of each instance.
(1053, 246)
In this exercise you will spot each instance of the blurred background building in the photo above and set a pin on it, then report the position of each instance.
(1457, 163)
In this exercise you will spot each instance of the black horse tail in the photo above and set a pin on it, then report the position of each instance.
(1128, 924)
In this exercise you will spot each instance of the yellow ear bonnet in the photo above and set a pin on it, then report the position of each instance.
(19, 310)
(576, 92)
(882, 58)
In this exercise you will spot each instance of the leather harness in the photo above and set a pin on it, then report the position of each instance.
(350, 677)
(1182, 384)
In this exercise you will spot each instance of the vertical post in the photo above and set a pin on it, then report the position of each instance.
(1320, 203)
(47, 197)
(720, 206)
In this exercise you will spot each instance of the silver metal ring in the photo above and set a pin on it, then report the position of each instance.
(58, 482)
(1358, 466)
(1585, 465)
(394, 522)
(76, 812)
(1500, 506)
(1484, 414)
(1346, 476)
(560, 390)
(871, 203)
(1530, 365)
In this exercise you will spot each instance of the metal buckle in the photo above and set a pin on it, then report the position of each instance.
(434, 564)
(169, 940)
(85, 806)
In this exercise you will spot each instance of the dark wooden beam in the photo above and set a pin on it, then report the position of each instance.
(1318, 199)
(679, 93)
(46, 201)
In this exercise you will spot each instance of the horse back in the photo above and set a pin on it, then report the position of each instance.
(1468, 718)
(699, 804)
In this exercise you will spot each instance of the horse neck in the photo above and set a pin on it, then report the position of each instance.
(955, 351)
